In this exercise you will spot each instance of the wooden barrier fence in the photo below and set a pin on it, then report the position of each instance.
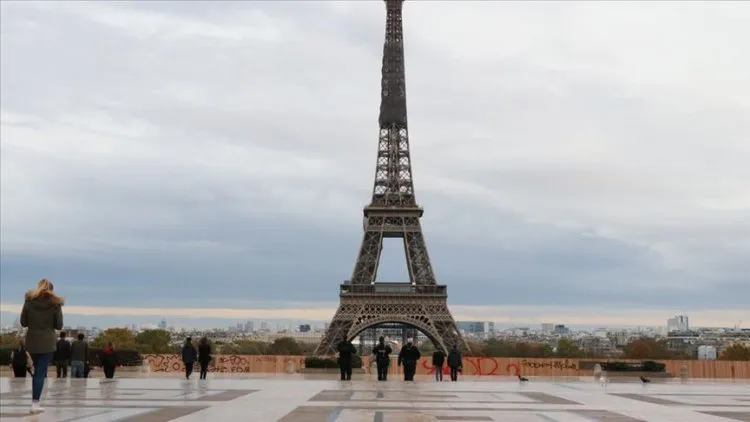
(475, 366)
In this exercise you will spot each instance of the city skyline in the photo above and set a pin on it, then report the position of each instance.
(205, 318)
(211, 156)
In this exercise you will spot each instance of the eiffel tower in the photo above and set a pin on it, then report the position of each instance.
(394, 213)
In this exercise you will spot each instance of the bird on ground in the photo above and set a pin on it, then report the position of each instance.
(645, 380)
(522, 379)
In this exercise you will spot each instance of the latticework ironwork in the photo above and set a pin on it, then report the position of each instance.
(393, 212)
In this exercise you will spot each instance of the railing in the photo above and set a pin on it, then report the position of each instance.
(392, 288)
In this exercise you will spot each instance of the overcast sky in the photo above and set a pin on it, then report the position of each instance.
(576, 161)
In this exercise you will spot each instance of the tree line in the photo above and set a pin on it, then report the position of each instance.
(160, 342)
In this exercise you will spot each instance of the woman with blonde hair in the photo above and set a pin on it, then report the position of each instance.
(42, 315)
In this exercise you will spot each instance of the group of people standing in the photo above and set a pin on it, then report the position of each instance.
(76, 355)
(408, 356)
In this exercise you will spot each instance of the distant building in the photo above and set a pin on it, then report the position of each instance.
(706, 353)
(163, 324)
(678, 323)
(547, 328)
(304, 328)
(476, 327)
(249, 326)
(561, 329)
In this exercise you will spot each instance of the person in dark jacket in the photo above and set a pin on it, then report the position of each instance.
(382, 354)
(346, 351)
(454, 362)
(438, 359)
(42, 315)
(79, 357)
(204, 356)
(408, 356)
(108, 359)
(189, 356)
(20, 360)
(62, 356)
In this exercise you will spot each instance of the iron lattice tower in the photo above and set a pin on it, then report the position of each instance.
(393, 212)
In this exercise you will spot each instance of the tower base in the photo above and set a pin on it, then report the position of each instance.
(363, 306)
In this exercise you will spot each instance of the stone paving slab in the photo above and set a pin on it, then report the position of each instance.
(297, 399)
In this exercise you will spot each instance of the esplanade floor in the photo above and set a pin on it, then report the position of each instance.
(296, 398)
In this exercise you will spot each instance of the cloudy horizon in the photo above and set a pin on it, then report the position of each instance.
(576, 161)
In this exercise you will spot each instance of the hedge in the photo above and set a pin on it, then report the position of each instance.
(125, 357)
(316, 362)
(645, 366)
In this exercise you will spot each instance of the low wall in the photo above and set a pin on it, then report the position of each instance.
(476, 366)
(231, 363)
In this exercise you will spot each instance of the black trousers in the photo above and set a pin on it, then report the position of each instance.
(382, 371)
(204, 369)
(454, 373)
(346, 372)
(62, 369)
(410, 368)
(109, 371)
(19, 371)
(188, 369)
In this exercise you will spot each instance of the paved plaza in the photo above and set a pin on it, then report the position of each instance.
(302, 399)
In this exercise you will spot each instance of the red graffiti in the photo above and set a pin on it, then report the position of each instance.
(428, 366)
(492, 371)
(477, 364)
(514, 366)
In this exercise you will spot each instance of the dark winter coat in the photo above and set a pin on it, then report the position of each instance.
(20, 358)
(408, 354)
(454, 359)
(108, 358)
(42, 316)
(346, 351)
(189, 354)
(438, 358)
(79, 351)
(204, 353)
(63, 351)
(382, 353)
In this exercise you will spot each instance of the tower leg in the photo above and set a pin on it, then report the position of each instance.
(366, 268)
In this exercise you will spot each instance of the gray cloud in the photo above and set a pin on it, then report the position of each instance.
(564, 154)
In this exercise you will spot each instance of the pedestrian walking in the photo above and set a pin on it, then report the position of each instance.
(79, 357)
(62, 356)
(438, 359)
(20, 360)
(382, 354)
(454, 363)
(41, 315)
(408, 356)
(204, 356)
(346, 352)
(189, 356)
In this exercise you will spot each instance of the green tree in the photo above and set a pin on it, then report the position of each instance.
(284, 346)
(122, 338)
(647, 348)
(244, 347)
(427, 348)
(9, 339)
(154, 341)
(736, 351)
(567, 348)
(477, 349)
